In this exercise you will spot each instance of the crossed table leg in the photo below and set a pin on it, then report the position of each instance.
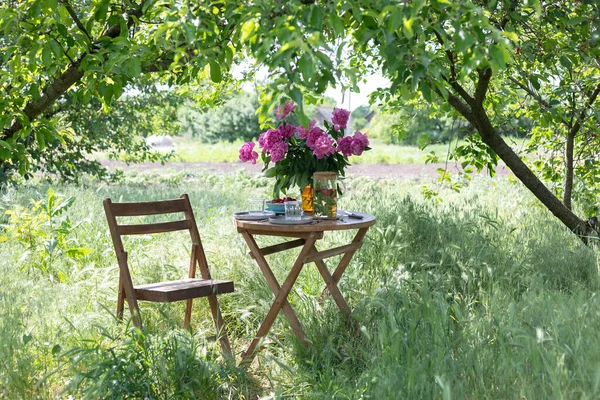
(308, 254)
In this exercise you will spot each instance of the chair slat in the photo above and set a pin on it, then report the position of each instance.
(148, 208)
(160, 227)
(183, 289)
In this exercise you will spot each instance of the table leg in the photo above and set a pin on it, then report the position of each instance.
(281, 296)
(332, 286)
(339, 271)
(274, 285)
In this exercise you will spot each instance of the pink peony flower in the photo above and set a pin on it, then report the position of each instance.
(303, 132)
(271, 138)
(247, 153)
(278, 151)
(287, 131)
(261, 140)
(344, 146)
(287, 108)
(359, 142)
(313, 135)
(340, 117)
(324, 146)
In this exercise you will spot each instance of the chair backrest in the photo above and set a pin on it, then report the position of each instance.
(146, 208)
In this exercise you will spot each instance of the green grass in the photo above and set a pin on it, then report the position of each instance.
(484, 295)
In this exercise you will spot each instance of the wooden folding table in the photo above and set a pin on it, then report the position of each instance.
(306, 237)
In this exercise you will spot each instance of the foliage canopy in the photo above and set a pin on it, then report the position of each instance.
(486, 61)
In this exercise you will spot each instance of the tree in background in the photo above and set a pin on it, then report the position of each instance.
(359, 117)
(235, 119)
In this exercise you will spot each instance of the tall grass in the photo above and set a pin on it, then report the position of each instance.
(483, 295)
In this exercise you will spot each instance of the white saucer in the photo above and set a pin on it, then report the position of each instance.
(255, 216)
(282, 220)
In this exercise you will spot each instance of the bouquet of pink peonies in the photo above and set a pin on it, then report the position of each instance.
(297, 151)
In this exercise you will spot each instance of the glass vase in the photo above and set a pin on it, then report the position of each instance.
(325, 198)
(308, 200)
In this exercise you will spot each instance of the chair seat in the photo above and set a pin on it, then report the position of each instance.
(184, 289)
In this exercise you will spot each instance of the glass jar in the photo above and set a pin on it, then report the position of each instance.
(307, 200)
(325, 199)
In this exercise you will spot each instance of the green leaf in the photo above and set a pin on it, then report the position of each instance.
(425, 90)
(565, 61)
(40, 139)
(408, 31)
(316, 18)
(215, 72)
(337, 24)
(306, 67)
(247, 30)
(497, 54)
(56, 49)
(47, 57)
(56, 349)
(27, 338)
(65, 204)
(101, 11)
(511, 35)
(271, 172)
(6, 145)
(63, 30)
(395, 19)
(135, 66)
(577, 21)
(76, 252)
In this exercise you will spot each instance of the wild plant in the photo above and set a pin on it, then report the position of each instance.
(45, 233)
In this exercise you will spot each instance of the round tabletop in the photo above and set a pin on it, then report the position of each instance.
(317, 225)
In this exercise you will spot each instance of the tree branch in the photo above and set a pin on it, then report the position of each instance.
(482, 85)
(76, 19)
(462, 108)
(66, 79)
(452, 81)
(532, 93)
(577, 125)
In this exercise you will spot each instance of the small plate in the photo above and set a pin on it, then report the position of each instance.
(255, 216)
(282, 220)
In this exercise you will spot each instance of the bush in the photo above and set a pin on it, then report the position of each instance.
(235, 119)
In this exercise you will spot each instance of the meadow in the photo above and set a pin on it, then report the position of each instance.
(480, 295)
(189, 149)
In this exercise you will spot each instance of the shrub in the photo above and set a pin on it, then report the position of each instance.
(235, 119)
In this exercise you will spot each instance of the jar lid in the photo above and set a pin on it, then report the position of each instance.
(324, 175)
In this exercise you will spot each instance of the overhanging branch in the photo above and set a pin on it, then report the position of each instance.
(66, 79)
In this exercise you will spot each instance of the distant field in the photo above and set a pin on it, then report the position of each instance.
(191, 150)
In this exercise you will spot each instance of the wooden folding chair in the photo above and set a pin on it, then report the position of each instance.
(185, 289)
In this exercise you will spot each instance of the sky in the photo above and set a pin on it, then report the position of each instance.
(353, 100)
(348, 100)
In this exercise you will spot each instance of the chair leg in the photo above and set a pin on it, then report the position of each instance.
(120, 299)
(132, 299)
(188, 313)
(135, 313)
(220, 326)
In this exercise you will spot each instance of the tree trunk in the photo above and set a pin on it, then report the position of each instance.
(475, 114)
(568, 189)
